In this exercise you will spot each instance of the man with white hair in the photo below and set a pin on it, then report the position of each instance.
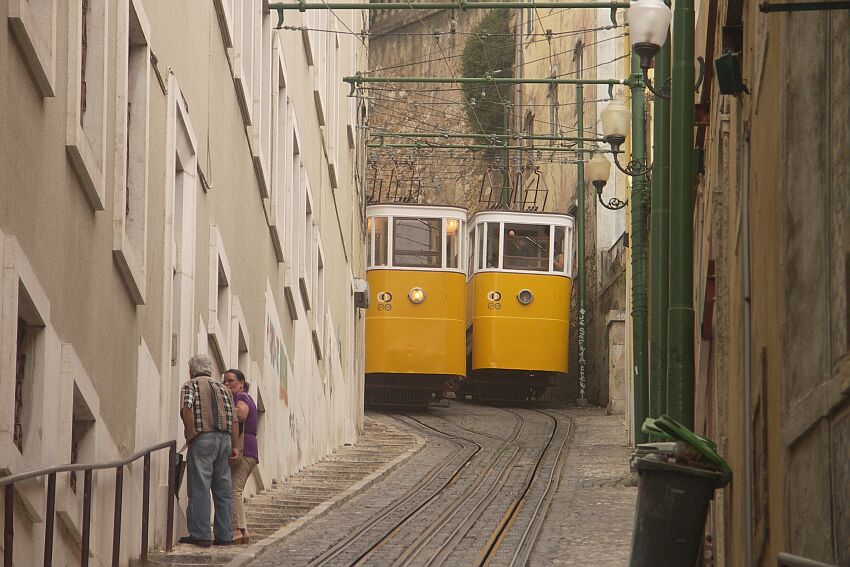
(212, 431)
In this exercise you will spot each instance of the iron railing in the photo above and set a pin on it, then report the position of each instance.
(788, 560)
(51, 472)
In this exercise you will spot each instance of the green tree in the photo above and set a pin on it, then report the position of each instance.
(490, 51)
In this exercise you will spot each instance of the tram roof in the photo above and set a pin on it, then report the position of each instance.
(417, 209)
(530, 217)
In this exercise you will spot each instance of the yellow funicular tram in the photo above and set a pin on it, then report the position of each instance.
(415, 322)
(518, 303)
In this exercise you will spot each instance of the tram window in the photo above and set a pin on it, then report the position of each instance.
(381, 236)
(526, 247)
(492, 245)
(454, 231)
(417, 243)
(369, 239)
(470, 245)
(479, 234)
(560, 258)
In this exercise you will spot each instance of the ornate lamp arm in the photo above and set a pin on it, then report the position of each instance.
(614, 204)
(632, 169)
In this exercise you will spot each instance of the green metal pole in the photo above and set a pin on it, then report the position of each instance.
(358, 79)
(680, 341)
(660, 241)
(448, 135)
(429, 146)
(638, 246)
(463, 5)
(580, 221)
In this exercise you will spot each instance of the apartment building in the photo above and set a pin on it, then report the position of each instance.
(175, 177)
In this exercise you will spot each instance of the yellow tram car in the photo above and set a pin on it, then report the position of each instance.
(518, 303)
(415, 322)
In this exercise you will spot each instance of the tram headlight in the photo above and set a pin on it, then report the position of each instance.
(416, 295)
(525, 296)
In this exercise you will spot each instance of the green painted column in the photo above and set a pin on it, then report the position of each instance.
(660, 241)
(680, 340)
(580, 222)
(638, 245)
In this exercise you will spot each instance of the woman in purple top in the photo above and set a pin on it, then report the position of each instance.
(241, 467)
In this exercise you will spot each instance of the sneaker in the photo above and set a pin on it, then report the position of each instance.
(195, 541)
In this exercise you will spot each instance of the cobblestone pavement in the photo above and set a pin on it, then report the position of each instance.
(449, 494)
(465, 514)
(591, 518)
(308, 494)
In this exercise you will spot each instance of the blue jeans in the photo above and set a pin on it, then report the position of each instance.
(209, 470)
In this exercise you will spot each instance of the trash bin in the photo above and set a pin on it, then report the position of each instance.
(677, 483)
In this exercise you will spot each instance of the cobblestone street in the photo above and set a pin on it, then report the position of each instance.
(589, 520)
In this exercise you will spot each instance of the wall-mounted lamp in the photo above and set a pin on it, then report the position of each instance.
(729, 78)
(616, 119)
(599, 169)
(649, 21)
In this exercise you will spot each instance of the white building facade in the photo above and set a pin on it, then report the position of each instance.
(175, 178)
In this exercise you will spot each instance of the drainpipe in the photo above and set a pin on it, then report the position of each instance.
(680, 336)
(638, 245)
(580, 221)
(748, 355)
(660, 231)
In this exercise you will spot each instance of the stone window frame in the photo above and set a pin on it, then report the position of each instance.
(260, 131)
(37, 40)
(18, 276)
(320, 64)
(240, 343)
(178, 267)
(308, 37)
(332, 103)
(278, 199)
(85, 130)
(76, 385)
(225, 11)
(318, 297)
(242, 57)
(306, 250)
(295, 187)
(351, 122)
(219, 325)
(129, 235)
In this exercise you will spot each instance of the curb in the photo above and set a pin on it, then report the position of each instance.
(322, 509)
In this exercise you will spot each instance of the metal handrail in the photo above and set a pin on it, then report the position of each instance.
(788, 560)
(119, 464)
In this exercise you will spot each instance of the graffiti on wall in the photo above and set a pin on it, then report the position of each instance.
(276, 359)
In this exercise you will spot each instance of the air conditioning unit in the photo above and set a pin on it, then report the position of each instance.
(361, 293)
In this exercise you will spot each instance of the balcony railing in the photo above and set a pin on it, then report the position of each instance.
(8, 483)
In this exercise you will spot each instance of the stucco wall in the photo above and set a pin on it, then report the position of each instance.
(96, 335)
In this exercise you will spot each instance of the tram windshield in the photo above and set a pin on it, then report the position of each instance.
(417, 242)
(526, 247)
(454, 233)
(560, 257)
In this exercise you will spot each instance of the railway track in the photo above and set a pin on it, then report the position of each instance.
(461, 499)
(452, 466)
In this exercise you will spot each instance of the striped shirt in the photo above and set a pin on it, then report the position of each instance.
(210, 402)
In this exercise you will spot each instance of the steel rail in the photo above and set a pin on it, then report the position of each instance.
(477, 485)
(543, 504)
(347, 542)
(504, 525)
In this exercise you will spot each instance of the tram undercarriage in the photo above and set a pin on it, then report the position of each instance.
(407, 390)
(506, 386)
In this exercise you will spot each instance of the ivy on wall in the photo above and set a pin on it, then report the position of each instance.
(490, 51)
